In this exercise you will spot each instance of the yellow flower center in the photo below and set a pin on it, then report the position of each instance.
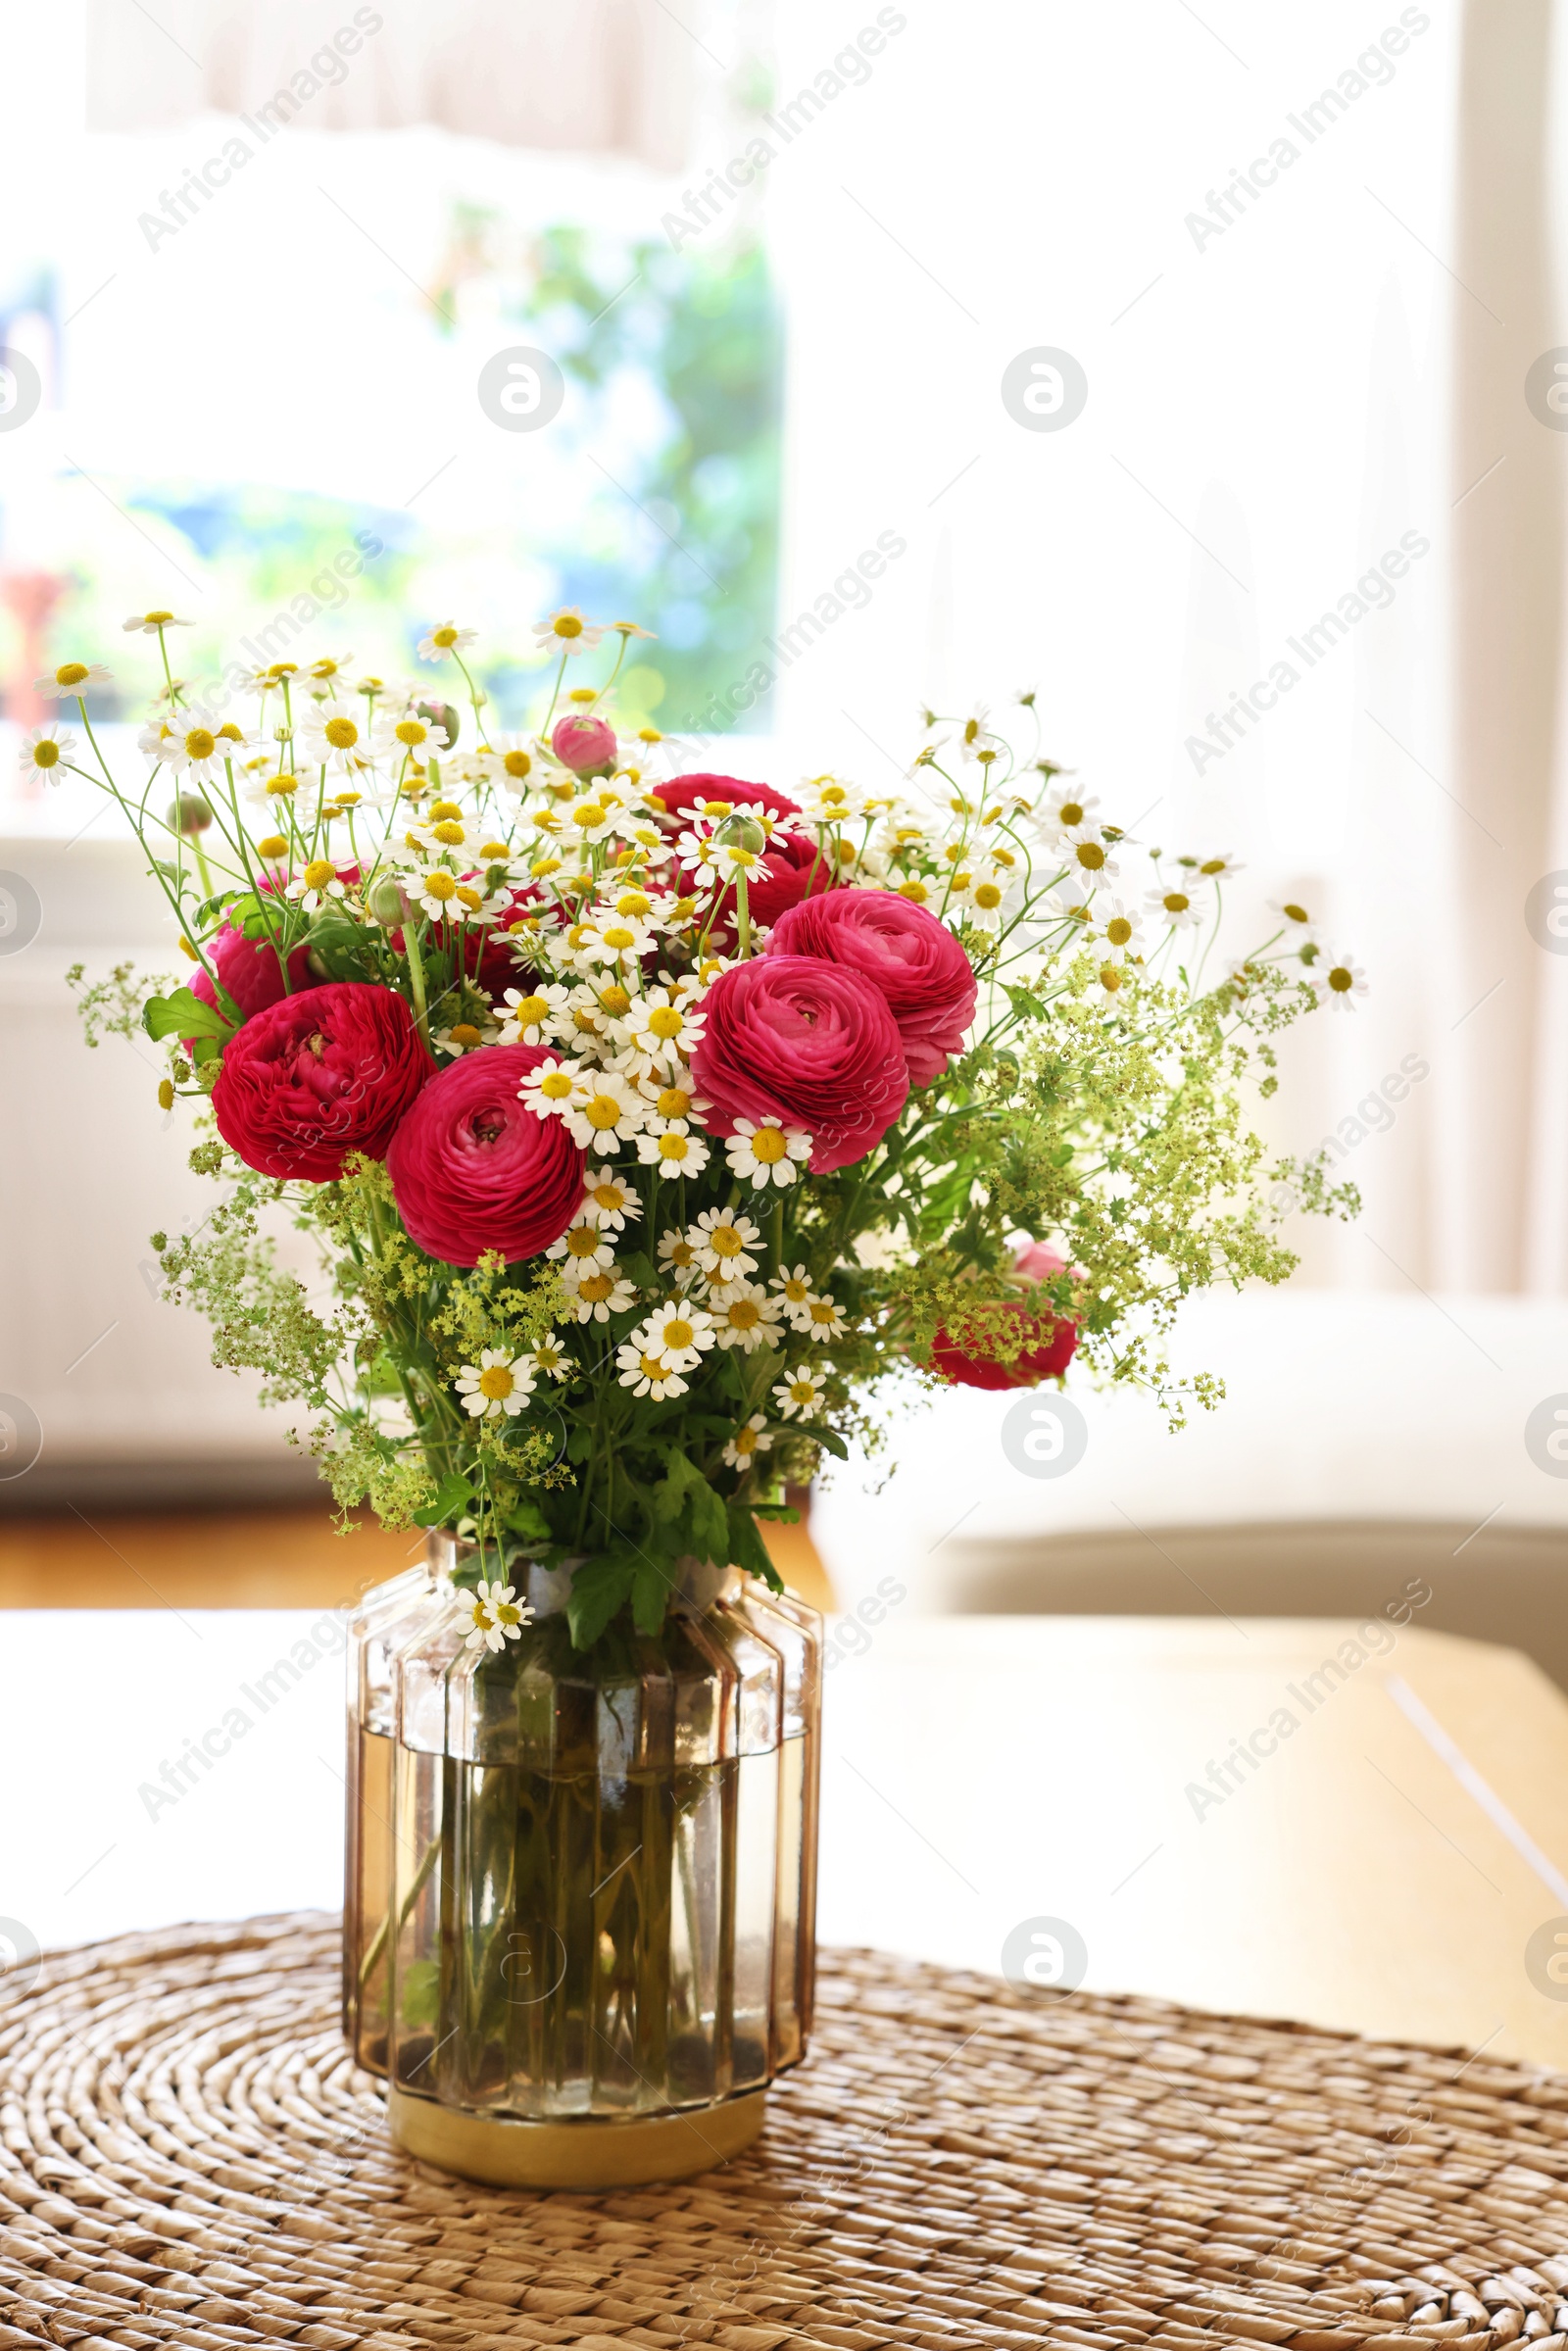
(1341, 980)
(46, 751)
(283, 787)
(683, 1255)
(768, 1145)
(440, 885)
(632, 902)
(596, 1287)
(493, 852)
(801, 1391)
(200, 743)
(665, 1020)
(796, 1290)
(745, 1316)
(654, 1369)
(582, 1242)
(1212, 865)
(608, 1197)
(676, 1147)
(725, 1242)
(915, 890)
(156, 617)
(443, 636)
(1091, 855)
(319, 873)
(473, 900)
(529, 1011)
(603, 1112)
(496, 1382)
(517, 762)
(1070, 812)
(822, 1309)
(619, 937)
(228, 732)
(451, 835)
(444, 807)
(411, 731)
(341, 733)
(615, 999)
(1175, 902)
(582, 694)
(679, 1333)
(555, 1084)
(1296, 913)
(71, 673)
(674, 1102)
(274, 846)
(1110, 977)
(987, 895)
(1118, 930)
(567, 624)
(745, 1439)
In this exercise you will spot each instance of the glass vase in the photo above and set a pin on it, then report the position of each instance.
(579, 1934)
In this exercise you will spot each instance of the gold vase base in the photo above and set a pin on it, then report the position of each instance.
(597, 2152)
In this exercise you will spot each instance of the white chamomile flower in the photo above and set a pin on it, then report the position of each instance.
(677, 1256)
(823, 1318)
(583, 1245)
(149, 623)
(267, 788)
(319, 883)
(724, 1244)
(498, 1385)
(328, 675)
(674, 1151)
(44, 751)
(648, 1375)
(438, 893)
(402, 734)
(680, 1332)
(549, 1357)
(1067, 810)
(196, 749)
(605, 1110)
(1215, 868)
(629, 629)
(153, 737)
(330, 736)
(797, 1394)
(749, 1440)
(826, 801)
(1114, 932)
(71, 680)
(549, 1087)
(973, 734)
(1174, 904)
(608, 1200)
(609, 938)
(462, 1038)
(672, 1104)
(658, 1033)
(1089, 860)
(1337, 980)
(980, 891)
(711, 862)
(567, 631)
(766, 1152)
(499, 1616)
(1299, 924)
(794, 1286)
(535, 1017)
(440, 643)
(597, 1293)
(745, 1316)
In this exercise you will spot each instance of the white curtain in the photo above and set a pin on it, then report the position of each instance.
(599, 77)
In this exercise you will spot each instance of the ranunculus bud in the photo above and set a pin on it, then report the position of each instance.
(189, 814)
(472, 1168)
(587, 746)
(317, 1076)
(443, 716)
(385, 903)
(745, 832)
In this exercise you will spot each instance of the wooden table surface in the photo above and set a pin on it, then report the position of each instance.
(1380, 1866)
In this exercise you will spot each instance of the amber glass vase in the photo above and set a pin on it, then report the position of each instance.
(580, 1897)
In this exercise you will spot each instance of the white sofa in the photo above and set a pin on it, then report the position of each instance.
(1367, 1442)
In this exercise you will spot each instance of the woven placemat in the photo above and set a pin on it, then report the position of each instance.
(189, 2158)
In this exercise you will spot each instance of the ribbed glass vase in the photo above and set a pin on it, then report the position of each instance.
(580, 1895)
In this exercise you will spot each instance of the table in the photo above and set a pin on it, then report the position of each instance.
(1382, 1870)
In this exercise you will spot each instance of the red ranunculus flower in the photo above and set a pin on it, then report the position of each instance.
(474, 1169)
(1058, 1338)
(812, 1043)
(317, 1076)
(250, 970)
(916, 960)
(683, 795)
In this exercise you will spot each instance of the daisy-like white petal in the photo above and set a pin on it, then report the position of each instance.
(498, 1386)
(608, 1200)
(547, 1356)
(1299, 923)
(71, 680)
(149, 623)
(319, 882)
(567, 631)
(332, 735)
(605, 1110)
(766, 1152)
(629, 629)
(196, 750)
(745, 1316)
(749, 1440)
(597, 1293)
(796, 1293)
(658, 1033)
(462, 1038)
(549, 1087)
(672, 1104)
(823, 1318)
(799, 1395)
(499, 1616)
(647, 1374)
(533, 1018)
(680, 1332)
(723, 1244)
(1115, 931)
(973, 735)
(44, 752)
(1338, 980)
(328, 675)
(677, 1256)
(674, 1151)
(1174, 905)
(584, 1246)
(440, 643)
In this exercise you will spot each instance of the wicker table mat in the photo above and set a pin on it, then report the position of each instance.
(190, 2159)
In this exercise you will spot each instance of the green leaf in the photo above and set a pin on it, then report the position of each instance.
(183, 1014)
(525, 1518)
(829, 1443)
(785, 1513)
(746, 1548)
(652, 1585)
(598, 1589)
(453, 1496)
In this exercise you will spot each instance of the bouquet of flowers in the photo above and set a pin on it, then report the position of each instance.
(647, 1123)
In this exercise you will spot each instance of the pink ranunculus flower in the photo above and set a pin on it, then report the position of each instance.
(474, 1169)
(1057, 1335)
(318, 1075)
(916, 960)
(811, 1042)
(587, 746)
